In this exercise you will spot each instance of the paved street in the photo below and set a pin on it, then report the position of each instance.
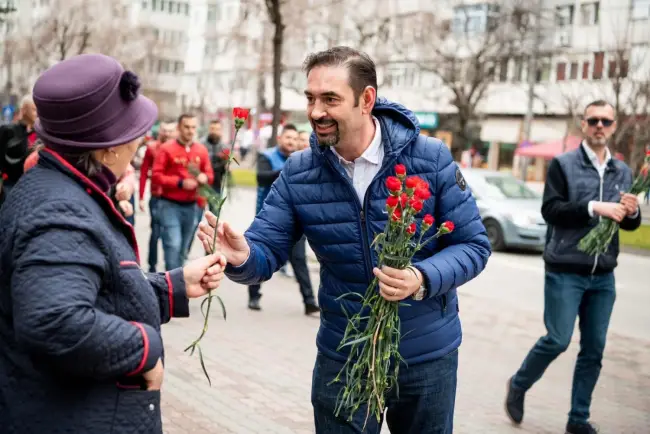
(261, 362)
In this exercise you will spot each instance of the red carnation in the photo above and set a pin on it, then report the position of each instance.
(403, 200)
(393, 184)
(240, 113)
(411, 229)
(400, 170)
(397, 215)
(422, 193)
(428, 220)
(447, 227)
(416, 204)
(647, 153)
(392, 201)
(413, 182)
(225, 154)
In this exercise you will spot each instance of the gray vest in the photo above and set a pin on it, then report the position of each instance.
(584, 185)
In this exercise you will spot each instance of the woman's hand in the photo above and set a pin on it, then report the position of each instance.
(126, 208)
(154, 377)
(204, 274)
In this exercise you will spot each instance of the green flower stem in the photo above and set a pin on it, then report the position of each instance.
(215, 202)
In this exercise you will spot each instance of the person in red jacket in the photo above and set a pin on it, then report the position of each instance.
(165, 133)
(177, 206)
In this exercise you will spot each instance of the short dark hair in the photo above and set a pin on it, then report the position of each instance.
(289, 127)
(215, 121)
(598, 103)
(361, 67)
(185, 116)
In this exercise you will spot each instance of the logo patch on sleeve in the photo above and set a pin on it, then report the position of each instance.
(460, 180)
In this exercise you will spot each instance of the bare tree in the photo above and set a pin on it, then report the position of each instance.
(466, 55)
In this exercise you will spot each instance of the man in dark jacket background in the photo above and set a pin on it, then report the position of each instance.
(215, 150)
(335, 194)
(582, 186)
(16, 141)
(269, 166)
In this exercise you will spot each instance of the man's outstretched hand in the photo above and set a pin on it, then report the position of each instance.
(230, 243)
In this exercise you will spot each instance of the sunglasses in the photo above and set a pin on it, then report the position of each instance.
(592, 122)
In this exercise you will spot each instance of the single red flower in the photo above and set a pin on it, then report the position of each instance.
(422, 193)
(413, 182)
(392, 201)
(393, 184)
(397, 215)
(403, 200)
(647, 153)
(240, 113)
(400, 170)
(411, 229)
(428, 220)
(447, 227)
(5, 176)
(416, 204)
(225, 154)
(644, 171)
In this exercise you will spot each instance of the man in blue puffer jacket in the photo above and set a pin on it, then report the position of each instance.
(334, 193)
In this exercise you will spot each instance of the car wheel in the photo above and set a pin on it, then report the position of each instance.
(495, 235)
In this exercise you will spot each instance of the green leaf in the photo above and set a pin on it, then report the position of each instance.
(205, 371)
(235, 160)
(223, 306)
(357, 341)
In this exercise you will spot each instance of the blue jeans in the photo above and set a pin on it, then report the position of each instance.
(178, 223)
(567, 296)
(131, 218)
(155, 234)
(427, 394)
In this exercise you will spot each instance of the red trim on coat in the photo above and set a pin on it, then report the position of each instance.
(171, 293)
(145, 340)
(93, 187)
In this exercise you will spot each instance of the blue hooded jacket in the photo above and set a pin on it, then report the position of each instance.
(315, 197)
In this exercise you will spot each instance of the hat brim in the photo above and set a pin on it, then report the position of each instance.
(138, 118)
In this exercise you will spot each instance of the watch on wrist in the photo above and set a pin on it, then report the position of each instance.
(422, 290)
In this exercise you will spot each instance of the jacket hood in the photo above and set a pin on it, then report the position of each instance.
(399, 126)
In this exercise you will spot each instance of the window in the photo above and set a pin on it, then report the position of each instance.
(585, 71)
(543, 70)
(574, 71)
(640, 9)
(560, 71)
(617, 68)
(212, 13)
(503, 70)
(186, 9)
(518, 70)
(144, 4)
(564, 15)
(589, 13)
(472, 18)
(599, 65)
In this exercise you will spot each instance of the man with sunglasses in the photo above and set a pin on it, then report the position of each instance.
(582, 186)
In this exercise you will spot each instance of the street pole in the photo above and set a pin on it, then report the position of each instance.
(532, 75)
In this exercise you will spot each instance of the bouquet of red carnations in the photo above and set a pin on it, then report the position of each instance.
(215, 203)
(373, 337)
(597, 241)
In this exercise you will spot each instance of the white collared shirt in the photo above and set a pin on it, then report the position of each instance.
(600, 167)
(363, 170)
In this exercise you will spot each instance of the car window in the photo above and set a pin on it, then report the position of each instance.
(508, 187)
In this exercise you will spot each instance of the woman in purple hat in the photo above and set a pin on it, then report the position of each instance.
(80, 342)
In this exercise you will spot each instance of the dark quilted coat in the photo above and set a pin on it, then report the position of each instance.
(314, 196)
(79, 320)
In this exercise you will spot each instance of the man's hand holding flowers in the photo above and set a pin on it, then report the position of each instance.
(397, 285)
(229, 242)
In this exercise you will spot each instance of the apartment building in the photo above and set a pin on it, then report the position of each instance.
(150, 36)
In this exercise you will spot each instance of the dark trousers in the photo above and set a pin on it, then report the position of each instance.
(427, 395)
(131, 218)
(298, 260)
(155, 234)
(178, 223)
(567, 296)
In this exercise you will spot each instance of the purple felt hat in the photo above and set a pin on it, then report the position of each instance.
(90, 102)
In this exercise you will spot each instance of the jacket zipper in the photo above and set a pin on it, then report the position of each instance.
(600, 196)
(361, 208)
